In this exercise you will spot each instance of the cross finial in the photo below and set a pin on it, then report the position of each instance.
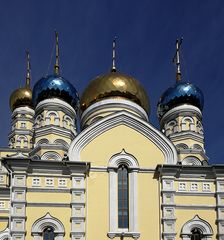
(28, 77)
(176, 59)
(56, 66)
(113, 69)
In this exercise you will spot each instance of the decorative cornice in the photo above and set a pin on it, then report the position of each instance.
(187, 171)
(43, 166)
(182, 110)
(50, 129)
(55, 103)
(186, 134)
(48, 147)
(23, 110)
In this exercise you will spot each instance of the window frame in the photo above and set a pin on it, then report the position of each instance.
(133, 167)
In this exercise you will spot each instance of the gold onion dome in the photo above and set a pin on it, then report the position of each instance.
(22, 96)
(114, 85)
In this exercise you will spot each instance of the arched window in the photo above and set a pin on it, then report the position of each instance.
(123, 175)
(196, 229)
(48, 233)
(196, 234)
(48, 228)
(123, 199)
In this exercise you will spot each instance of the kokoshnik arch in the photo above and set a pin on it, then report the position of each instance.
(118, 177)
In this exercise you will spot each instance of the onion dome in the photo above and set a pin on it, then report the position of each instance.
(180, 93)
(55, 86)
(114, 85)
(22, 96)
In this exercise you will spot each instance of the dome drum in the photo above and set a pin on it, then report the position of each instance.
(105, 107)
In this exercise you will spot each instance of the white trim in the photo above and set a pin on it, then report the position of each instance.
(55, 102)
(199, 223)
(48, 221)
(133, 166)
(51, 155)
(5, 234)
(130, 120)
(184, 109)
(191, 160)
(109, 106)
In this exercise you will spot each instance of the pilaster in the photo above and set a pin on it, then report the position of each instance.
(168, 208)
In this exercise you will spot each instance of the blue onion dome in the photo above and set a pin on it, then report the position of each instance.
(55, 86)
(181, 93)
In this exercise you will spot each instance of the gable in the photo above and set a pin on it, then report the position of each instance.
(122, 130)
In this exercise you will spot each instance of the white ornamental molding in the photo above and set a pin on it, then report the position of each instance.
(199, 223)
(48, 221)
(129, 120)
(5, 234)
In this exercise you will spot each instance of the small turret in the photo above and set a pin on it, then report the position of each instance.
(56, 103)
(22, 114)
(180, 114)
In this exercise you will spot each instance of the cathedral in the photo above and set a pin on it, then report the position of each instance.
(94, 168)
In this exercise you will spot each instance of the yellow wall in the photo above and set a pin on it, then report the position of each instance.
(103, 147)
(63, 214)
(97, 206)
(3, 225)
(185, 215)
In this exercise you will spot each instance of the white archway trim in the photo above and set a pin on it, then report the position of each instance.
(130, 120)
(182, 146)
(191, 160)
(51, 156)
(61, 142)
(52, 113)
(5, 234)
(131, 162)
(199, 223)
(125, 158)
(48, 221)
(42, 141)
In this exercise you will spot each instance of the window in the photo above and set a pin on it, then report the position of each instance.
(36, 182)
(206, 187)
(196, 234)
(182, 186)
(2, 204)
(196, 229)
(23, 125)
(62, 182)
(123, 199)
(123, 188)
(194, 187)
(49, 182)
(1, 179)
(48, 234)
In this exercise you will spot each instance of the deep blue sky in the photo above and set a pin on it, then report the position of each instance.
(146, 31)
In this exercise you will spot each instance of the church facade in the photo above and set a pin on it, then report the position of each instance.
(118, 177)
